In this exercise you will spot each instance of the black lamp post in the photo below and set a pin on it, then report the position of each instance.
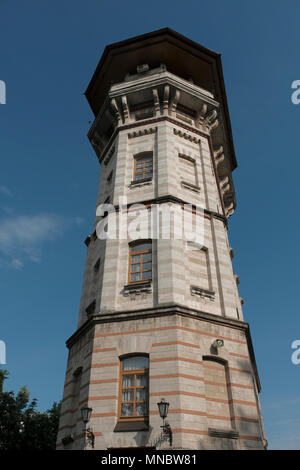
(163, 408)
(88, 432)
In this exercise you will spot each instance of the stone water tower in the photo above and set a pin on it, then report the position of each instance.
(161, 316)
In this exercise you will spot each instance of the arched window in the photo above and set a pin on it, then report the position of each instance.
(134, 388)
(217, 390)
(140, 262)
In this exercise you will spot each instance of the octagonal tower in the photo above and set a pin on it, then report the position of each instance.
(154, 303)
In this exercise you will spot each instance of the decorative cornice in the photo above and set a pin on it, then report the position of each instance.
(179, 55)
(125, 107)
(186, 136)
(165, 310)
(163, 78)
(176, 200)
(146, 131)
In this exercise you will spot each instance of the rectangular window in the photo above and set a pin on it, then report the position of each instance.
(199, 269)
(133, 403)
(143, 167)
(187, 168)
(140, 262)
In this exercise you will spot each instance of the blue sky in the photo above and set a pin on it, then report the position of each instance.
(49, 176)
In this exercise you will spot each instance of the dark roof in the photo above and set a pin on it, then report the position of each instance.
(182, 57)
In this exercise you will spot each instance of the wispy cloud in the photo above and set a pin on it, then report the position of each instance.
(5, 191)
(78, 220)
(17, 263)
(7, 209)
(283, 403)
(22, 237)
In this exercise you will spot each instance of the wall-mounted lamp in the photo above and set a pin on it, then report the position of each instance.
(218, 343)
(89, 437)
(163, 408)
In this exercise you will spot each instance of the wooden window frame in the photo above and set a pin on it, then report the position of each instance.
(134, 372)
(144, 168)
(140, 253)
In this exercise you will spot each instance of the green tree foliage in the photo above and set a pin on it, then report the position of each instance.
(22, 426)
(3, 375)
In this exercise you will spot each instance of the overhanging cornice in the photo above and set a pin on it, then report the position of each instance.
(182, 57)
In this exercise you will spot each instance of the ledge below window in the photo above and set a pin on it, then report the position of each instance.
(138, 288)
(227, 433)
(190, 186)
(139, 183)
(128, 426)
(195, 290)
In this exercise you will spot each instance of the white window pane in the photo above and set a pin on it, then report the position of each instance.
(141, 394)
(127, 409)
(127, 395)
(141, 380)
(144, 159)
(135, 362)
(128, 380)
(147, 275)
(141, 409)
(141, 247)
(147, 266)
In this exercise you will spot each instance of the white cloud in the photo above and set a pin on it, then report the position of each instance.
(22, 237)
